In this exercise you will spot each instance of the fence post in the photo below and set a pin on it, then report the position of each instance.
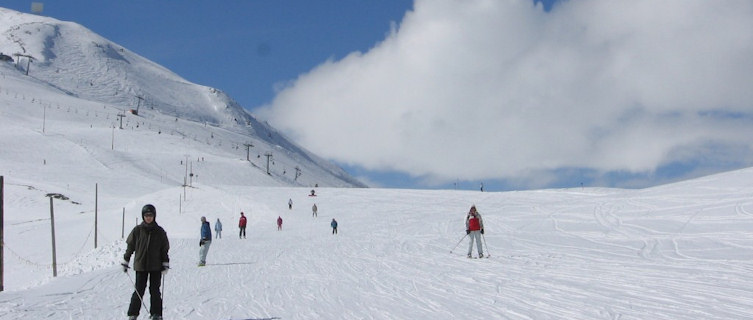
(122, 226)
(2, 218)
(96, 198)
(52, 227)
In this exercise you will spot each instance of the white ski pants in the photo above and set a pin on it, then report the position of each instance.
(475, 235)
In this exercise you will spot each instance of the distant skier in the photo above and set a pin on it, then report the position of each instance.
(314, 212)
(242, 226)
(474, 226)
(218, 229)
(290, 204)
(333, 224)
(205, 242)
(149, 242)
(279, 223)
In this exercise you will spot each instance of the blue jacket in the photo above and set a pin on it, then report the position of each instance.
(206, 231)
(333, 224)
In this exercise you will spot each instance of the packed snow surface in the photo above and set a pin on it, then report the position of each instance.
(681, 251)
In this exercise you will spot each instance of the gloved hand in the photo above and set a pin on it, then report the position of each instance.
(124, 265)
(467, 231)
(201, 242)
(165, 268)
(482, 231)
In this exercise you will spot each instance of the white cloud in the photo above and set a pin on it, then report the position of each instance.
(501, 89)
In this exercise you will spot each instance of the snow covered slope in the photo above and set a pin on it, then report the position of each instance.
(680, 251)
(78, 81)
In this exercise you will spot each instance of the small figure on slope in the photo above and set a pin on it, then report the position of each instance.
(218, 229)
(314, 211)
(242, 226)
(279, 223)
(333, 224)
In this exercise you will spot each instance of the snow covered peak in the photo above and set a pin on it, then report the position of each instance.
(79, 62)
(66, 61)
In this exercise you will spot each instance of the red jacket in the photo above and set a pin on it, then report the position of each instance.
(242, 222)
(474, 223)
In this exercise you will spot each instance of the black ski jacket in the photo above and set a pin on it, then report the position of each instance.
(149, 242)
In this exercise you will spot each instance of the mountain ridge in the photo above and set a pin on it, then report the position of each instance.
(68, 59)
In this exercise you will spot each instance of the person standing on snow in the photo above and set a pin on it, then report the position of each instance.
(314, 212)
(218, 229)
(290, 204)
(149, 242)
(242, 226)
(333, 224)
(205, 242)
(279, 223)
(474, 226)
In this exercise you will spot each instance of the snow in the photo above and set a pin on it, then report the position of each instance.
(679, 251)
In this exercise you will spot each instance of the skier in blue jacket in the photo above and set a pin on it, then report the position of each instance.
(218, 229)
(205, 242)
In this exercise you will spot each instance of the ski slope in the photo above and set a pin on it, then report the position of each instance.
(680, 251)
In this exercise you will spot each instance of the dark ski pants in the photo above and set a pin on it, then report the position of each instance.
(155, 277)
(242, 233)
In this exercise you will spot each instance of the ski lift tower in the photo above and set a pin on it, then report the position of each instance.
(135, 112)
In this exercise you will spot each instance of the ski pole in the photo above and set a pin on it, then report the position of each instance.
(459, 241)
(487, 247)
(163, 291)
(137, 292)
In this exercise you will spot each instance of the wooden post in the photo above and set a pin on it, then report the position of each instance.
(96, 197)
(2, 243)
(122, 226)
(52, 226)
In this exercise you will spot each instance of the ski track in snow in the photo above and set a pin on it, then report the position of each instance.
(553, 256)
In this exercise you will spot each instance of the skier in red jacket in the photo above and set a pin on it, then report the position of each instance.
(474, 227)
(242, 226)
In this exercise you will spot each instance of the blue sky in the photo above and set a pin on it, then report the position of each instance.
(243, 47)
(450, 94)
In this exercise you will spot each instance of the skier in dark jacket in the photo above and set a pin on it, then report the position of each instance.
(205, 242)
(151, 261)
(333, 224)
